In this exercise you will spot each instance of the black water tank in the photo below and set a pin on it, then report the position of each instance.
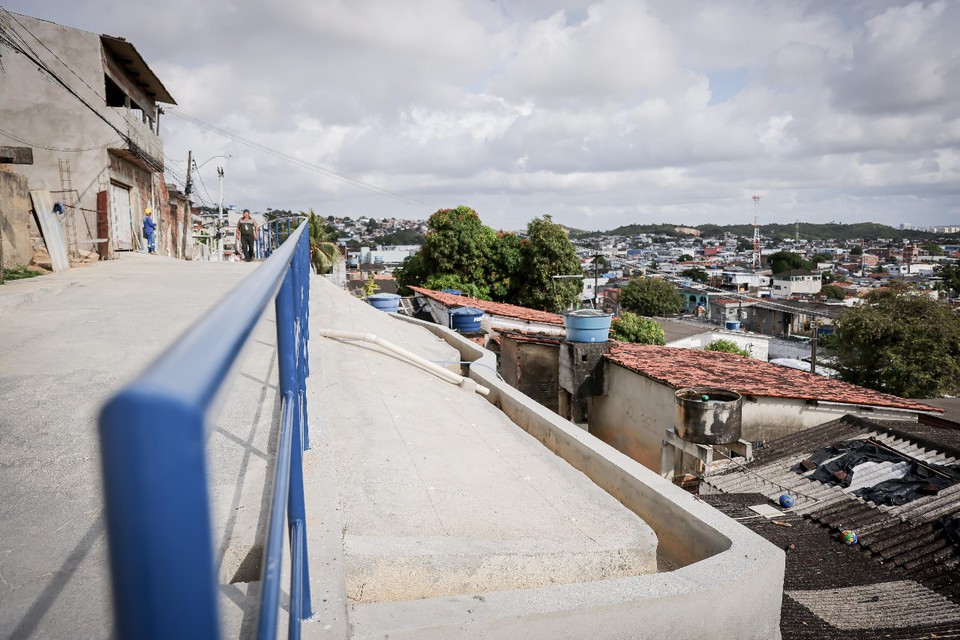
(707, 415)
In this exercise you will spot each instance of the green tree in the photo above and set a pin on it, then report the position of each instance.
(900, 341)
(458, 243)
(785, 261)
(856, 251)
(547, 252)
(411, 273)
(933, 249)
(441, 281)
(950, 273)
(651, 297)
(832, 292)
(727, 346)
(696, 274)
(324, 253)
(370, 287)
(505, 269)
(630, 327)
(460, 252)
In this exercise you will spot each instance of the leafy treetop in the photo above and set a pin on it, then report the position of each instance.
(630, 327)
(899, 341)
(651, 297)
(727, 346)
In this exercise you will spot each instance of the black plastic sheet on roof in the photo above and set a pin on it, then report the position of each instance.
(836, 464)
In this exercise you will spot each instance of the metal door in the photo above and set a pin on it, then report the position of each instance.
(122, 227)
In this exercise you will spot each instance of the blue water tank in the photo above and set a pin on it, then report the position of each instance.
(388, 302)
(453, 292)
(587, 325)
(733, 325)
(466, 319)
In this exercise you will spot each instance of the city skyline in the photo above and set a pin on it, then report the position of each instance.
(601, 114)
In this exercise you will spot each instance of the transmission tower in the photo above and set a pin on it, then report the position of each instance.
(756, 232)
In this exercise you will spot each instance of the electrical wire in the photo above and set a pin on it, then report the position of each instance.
(293, 160)
(42, 44)
(200, 178)
(39, 145)
(13, 39)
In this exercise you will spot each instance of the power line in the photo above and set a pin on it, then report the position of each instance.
(293, 160)
(200, 177)
(42, 44)
(15, 41)
(39, 145)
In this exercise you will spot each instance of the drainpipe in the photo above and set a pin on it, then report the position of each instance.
(409, 356)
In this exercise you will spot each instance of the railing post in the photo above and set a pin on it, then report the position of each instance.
(158, 522)
(287, 351)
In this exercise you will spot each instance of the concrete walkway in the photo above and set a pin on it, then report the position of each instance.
(416, 488)
(67, 341)
(431, 491)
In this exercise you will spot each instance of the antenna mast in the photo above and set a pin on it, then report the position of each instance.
(756, 231)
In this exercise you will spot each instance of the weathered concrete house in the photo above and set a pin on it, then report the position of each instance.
(87, 107)
(637, 406)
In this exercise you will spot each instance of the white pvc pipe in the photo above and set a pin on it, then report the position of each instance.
(432, 367)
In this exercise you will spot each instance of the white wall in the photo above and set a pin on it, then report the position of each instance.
(758, 346)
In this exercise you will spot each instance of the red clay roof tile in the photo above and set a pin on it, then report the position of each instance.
(493, 308)
(681, 368)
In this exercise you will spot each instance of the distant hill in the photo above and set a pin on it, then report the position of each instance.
(808, 231)
(635, 230)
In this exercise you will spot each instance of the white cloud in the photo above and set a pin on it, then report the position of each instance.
(601, 112)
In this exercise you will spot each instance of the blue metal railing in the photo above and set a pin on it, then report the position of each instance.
(152, 439)
(271, 234)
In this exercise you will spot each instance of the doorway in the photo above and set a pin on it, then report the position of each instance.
(121, 217)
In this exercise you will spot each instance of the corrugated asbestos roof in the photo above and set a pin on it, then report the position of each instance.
(681, 368)
(905, 543)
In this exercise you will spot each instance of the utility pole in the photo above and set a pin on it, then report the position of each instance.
(596, 279)
(813, 348)
(756, 232)
(188, 215)
(220, 218)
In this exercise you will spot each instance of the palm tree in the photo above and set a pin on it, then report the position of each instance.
(323, 252)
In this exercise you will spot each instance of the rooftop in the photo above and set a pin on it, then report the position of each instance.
(492, 308)
(681, 368)
(900, 579)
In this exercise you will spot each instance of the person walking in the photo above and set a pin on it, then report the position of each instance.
(246, 233)
(149, 231)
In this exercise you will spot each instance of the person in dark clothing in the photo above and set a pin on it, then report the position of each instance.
(149, 229)
(246, 233)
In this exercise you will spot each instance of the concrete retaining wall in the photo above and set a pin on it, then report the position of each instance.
(729, 582)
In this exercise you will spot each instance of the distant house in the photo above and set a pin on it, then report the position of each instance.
(740, 279)
(88, 106)
(795, 281)
(640, 381)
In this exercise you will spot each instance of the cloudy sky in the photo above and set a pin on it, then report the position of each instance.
(599, 113)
